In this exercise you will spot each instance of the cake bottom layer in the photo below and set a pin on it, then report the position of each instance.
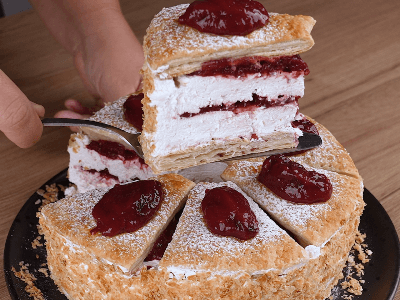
(217, 150)
(80, 275)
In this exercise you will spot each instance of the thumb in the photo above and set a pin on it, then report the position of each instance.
(19, 117)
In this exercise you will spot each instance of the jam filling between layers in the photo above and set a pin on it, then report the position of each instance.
(225, 17)
(227, 212)
(248, 106)
(127, 208)
(133, 111)
(114, 150)
(266, 66)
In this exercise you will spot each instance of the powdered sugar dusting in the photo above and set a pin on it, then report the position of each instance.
(192, 237)
(113, 114)
(73, 217)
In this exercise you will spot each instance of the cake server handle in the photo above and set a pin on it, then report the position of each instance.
(131, 140)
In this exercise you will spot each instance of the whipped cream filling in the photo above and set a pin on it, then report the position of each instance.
(187, 94)
(81, 159)
(178, 134)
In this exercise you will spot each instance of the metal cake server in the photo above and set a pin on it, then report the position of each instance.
(131, 141)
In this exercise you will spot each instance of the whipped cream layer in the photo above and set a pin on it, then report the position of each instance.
(82, 159)
(187, 94)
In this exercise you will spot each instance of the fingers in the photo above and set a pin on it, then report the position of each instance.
(19, 117)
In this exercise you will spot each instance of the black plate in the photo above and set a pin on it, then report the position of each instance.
(381, 273)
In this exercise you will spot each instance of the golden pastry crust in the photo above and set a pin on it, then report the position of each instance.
(172, 49)
(312, 224)
(195, 248)
(72, 219)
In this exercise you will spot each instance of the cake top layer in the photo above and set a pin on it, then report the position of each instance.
(72, 218)
(194, 248)
(173, 49)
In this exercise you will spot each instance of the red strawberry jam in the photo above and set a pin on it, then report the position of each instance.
(225, 17)
(291, 181)
(244, 66)
(127, 208)
(241, 106)
(305, 125)
(133, 111)
(105, 174)
(228, 213)
(163, 240)
(113, 150)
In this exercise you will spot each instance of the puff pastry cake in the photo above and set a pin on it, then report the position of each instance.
(209, 97)
(288, 258)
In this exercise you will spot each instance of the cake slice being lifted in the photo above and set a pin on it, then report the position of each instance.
(210, 96)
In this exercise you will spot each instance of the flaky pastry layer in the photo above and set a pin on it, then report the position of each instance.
(172, 49)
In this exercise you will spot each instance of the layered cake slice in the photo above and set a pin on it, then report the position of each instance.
(210, 96)
(214, 238)
(116, 228)
(97, 160)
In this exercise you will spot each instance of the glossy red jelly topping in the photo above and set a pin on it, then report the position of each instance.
(241, 67)
(225, 17)
(163, 240)
(241, 106)
(305, 125)
(228, 213)
(291, 181)
(127, 208)
(133, 111)
(103, 174)
(113, 150)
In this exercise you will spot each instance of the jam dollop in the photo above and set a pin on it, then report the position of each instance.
(133, 111)
(241, 67)
(228, 213)
(225, 17)
(113, 150)
(126, 208)
(305, 125)
(292, 182)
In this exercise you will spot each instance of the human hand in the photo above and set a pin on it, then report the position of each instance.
(19, 117)
(108, 63)
(106, 52)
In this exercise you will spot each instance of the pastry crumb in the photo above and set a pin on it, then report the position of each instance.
(29, 280)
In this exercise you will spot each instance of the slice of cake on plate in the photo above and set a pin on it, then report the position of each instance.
(209, 96)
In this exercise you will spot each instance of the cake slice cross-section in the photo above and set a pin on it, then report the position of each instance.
(209, 97)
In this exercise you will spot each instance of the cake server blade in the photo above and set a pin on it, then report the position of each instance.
(306, 142)
(130, 140)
